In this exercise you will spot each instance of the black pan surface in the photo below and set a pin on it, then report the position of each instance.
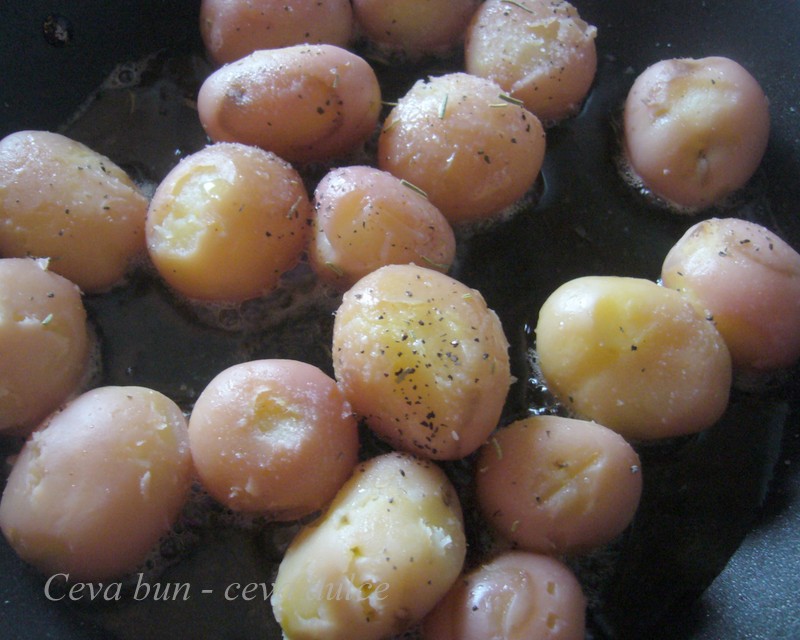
(715, 549)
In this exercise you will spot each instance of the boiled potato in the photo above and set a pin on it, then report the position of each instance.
(634, 356)
(273, 436)
(468, 148)
(232, 29)
(514, 596)
(695, 130)
(388, 547)
(413, 29)
(422, 359)
(748, 280)
(539, 51)
(558, 485)
(306, 103)
(61, 200)
(95, 488)
(44, 342)
(227, 222)
(366, 218)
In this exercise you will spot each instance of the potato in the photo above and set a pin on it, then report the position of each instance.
(44, 342)
(306, 103)
(61, 200)
(422, 359)
(366, 218)
(413, 29)
(539, 51)
(558, 485)
(227, 222)
(232, 29)
(388, 547)
(514, 596)
(273, 436)
(634, 356)
(471, 151)
(748, 280)
(695, 130)
(93, 490)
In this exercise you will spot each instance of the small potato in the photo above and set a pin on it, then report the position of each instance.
(515, 596)
(558, 485)
(633, 356)
(93, 490)
(388, 547)
(470, 150)
(63, 201)
(748, 280)
(413, 29)
(273, 436)
(306, 103)
(539, 51)
(695, 130)
(232, 29)
(422, 359)
(366, 218)
(227, 222)
(44, 342)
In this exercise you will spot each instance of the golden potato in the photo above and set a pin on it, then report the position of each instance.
(63, 201)
(634, 356)
(469, 149)
(422, 359)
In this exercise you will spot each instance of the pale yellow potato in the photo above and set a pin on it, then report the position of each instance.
(227, 222)
(695, 130)
(513, 596)
(539, 51)
(387, 549)
(747, 279)
(634, 356)
(558, 485)
(61, 200)
(273, 436)
(365, 218)
(44, 342)
(464, 144)
(413, 29)
(95, 488)
(422, 359)
(306, 103)
(232, 29)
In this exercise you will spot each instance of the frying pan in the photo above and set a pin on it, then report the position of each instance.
(713, 552)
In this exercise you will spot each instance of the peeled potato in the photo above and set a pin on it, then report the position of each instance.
(422, 359)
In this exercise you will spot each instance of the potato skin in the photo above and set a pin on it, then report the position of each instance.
(539, 51)
(558, 485)
(387, 548)
(95, 488)
(274, 437)
(695, 130)
(227, 222)
(365, 218)
(422, 359)
(634, 356)
(232, 29)
(472, 152)
(748, 280)
(306, 103)
(44, 341)
(61, 200)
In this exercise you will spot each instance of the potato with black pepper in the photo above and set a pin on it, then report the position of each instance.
(306, 103)
(422, 360)
(61, 200)
(633, 356)
(388, 547)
